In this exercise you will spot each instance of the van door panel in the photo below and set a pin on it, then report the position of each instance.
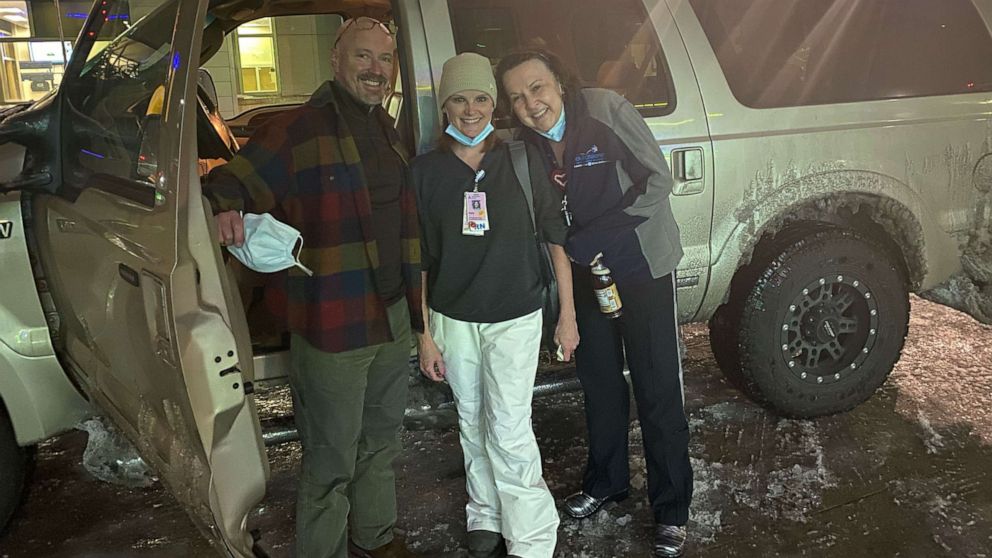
(152, 326)
(683, 136)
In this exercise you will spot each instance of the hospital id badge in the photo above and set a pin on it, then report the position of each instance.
(475, 220)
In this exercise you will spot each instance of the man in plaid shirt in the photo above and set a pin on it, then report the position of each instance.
(334, 169)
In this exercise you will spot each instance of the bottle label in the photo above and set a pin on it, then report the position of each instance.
(609, 299)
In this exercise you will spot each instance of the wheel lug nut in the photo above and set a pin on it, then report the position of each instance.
(874, 312)
(803, 375)
(792, 364)
(856, 283)
(871, 331)
(867, 295)
(792, 308)
(785, 347)
(823, 281)
(853, 366)
(819, 379)
(840, 278)
(865, 350)
(785, 327)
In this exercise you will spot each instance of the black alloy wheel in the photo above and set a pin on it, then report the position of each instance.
(823, 325)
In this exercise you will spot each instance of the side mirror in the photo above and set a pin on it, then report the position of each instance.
(208, 90)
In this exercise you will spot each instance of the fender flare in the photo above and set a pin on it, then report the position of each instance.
(931, 258)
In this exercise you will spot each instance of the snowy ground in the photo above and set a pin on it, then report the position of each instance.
(905, 474)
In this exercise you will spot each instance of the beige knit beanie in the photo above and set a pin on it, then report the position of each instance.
(467, 71)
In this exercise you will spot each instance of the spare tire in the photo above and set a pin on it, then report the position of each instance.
(824, 323)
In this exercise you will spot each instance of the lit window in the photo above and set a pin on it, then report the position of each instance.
(28, 69)
(257, 57)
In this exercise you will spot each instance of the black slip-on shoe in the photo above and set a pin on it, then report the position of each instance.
(581, 505)
(485, 544)
(669, 540)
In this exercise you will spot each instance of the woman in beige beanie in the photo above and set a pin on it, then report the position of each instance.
(483, 293)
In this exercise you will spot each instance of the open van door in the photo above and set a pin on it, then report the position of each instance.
(150, 327)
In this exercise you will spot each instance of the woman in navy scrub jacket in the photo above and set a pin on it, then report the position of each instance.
(616, 184)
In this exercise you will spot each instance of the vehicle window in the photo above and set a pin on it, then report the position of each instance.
(607, 44)
(273, 61)
(32, 53)
(115, 103)
(272, 64)
(778, 53)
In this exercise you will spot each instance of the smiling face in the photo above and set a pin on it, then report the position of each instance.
(469, 111)
(363, 63)
(535, 94)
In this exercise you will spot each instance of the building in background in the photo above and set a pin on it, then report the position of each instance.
(269, 61)
(273, 61)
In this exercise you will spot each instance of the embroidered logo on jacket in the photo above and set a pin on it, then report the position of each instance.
(591, 157)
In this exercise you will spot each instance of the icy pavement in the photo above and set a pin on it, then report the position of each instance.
(906, 473)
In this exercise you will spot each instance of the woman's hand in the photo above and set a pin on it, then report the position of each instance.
(566, 331)
(431, 360)
(567, 337)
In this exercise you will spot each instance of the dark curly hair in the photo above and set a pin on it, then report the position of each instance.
(569, 83)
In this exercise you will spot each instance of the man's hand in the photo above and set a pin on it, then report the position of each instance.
(567, 337)
(230, 228)
(431, 360)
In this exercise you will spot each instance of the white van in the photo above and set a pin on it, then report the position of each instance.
(830, 157)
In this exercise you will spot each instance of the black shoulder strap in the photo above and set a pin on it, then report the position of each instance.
(518, 154)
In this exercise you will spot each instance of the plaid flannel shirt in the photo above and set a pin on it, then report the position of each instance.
(305, 165)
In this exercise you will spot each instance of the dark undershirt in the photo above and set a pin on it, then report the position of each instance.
(384, 174)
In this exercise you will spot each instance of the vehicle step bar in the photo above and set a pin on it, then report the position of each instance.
(280, 430)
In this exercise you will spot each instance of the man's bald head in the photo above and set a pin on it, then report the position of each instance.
(362, 59)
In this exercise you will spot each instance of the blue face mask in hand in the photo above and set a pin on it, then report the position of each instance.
(467, 141)
(269, 245)
(557, 132)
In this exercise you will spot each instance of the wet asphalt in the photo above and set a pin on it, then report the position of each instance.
(905, 474)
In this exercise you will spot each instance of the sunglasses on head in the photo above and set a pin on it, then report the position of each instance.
(361, 23)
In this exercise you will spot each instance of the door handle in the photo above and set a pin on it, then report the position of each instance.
(687, 170)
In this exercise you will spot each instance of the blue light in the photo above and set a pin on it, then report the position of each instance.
(81, 15)
(175, 61)
(91, 154)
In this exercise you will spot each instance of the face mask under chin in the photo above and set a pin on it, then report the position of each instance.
(461, 138)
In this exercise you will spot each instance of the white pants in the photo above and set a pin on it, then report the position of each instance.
(491, 369)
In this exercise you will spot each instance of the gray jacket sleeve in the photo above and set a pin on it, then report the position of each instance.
(647, 184)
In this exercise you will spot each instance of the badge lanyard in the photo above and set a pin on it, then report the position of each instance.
(475, 216)
(560, 179)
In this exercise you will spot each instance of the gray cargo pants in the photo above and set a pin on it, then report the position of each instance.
(349, 408)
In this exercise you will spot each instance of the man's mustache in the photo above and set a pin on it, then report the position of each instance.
(372, 76)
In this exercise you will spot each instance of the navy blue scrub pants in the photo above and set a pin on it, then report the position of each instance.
(647, 333)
